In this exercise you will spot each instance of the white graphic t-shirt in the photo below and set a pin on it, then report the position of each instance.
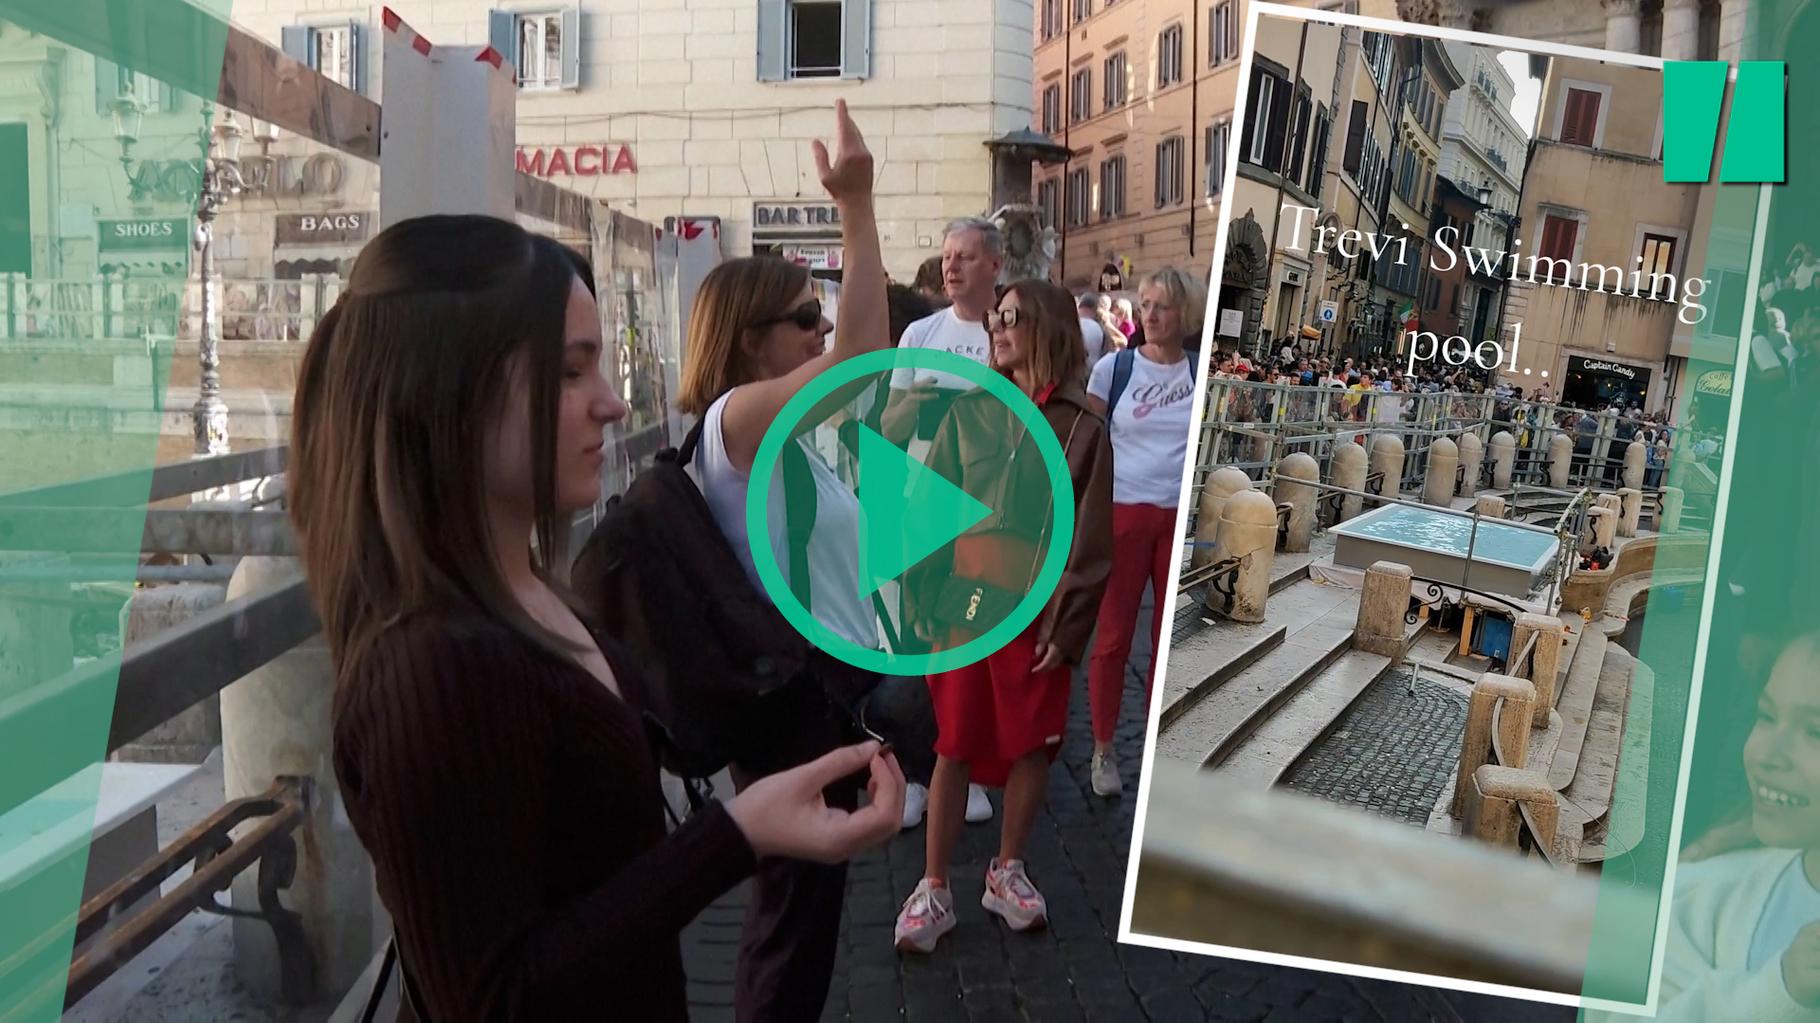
(1149, 429)
(946, 332)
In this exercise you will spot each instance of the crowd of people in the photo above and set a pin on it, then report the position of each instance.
(498, 747)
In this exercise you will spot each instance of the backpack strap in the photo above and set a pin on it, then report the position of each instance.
(799, 515)
(1122, 363)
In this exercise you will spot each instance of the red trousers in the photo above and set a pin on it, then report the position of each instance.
(1143, 546)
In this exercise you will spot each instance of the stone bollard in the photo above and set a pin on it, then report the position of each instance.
(1672, 498)
(1490, 506)
(1349, 471)
(1221, 484)
(1443, 466)
(1387, 457)
(1545, 664)
(1635, 455)
(1503, 459)
(1382, 626)
(1519, 697)
(1300, 497)
(1604, 526)
(1560, 460)
(276, 721)
(1493, 810)
(1248, 531)
(1630, 511)
(188, 737)
(1472, 457)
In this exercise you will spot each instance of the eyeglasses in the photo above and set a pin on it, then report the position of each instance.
(1003, 319)
(807, 316)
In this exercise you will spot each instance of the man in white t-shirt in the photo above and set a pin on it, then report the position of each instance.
(973, 252)
(1093, 336)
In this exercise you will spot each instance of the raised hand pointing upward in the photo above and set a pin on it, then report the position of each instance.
(849, 175)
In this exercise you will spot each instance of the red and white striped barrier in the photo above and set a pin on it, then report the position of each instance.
(448, 128)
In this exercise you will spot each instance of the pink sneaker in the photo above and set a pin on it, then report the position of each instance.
(1010, 894)
(927, 915)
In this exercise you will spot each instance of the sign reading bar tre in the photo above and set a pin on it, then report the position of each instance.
(780, 218)
(143, 234)
(324, 228)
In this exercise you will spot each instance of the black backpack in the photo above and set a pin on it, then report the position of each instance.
(714, 653)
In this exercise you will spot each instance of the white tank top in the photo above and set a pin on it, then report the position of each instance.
(833, 544)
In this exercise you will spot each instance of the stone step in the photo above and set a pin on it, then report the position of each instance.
(1223, 716)
(1625, 821)
(1576, 706)
(1587, 798)
(1276, 744)
(1202, 661)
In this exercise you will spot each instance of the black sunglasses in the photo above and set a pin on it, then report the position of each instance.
(1003, 319)
(807, 316)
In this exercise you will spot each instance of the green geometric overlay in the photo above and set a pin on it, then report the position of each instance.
(85, 354)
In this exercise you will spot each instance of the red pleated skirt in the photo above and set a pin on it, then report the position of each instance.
(997, 711)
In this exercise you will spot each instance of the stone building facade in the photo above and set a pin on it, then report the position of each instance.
(1141, 92)
(706, 109)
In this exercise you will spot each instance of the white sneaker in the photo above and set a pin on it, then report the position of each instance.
(1105, 775)
(979, 808)
(916, 803)
(927, 915)
(1010, 894)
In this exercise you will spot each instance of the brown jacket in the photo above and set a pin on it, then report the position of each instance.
(983, 447)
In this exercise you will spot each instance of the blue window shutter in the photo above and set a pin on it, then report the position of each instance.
(294, 40)
(502, 35)
(773, 41)
(571, 48)
(107, 84)
(856, 39)
(357, 52)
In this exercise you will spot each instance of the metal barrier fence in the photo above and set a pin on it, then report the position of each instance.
(115, 307)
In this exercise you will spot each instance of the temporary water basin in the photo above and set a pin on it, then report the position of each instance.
(1507, 558)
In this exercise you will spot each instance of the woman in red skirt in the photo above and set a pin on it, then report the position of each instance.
(1000, 720)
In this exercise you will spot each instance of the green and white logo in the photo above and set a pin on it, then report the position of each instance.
(910, 512)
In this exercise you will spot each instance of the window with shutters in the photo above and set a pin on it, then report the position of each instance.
(1222, 33)
(1083, 9)
(1080, 198)
(1580, 117)
(1048, 199)
(1052, 108)
(1080, 96)
(1052, 19)
(114, 82)
(1115, 83)
(1112, 188)
(337, 52)
(540, 50)
(814, 39)
(1267, 121)
(1169, 56)
(1317, 162)
(1171, 155)
(1218, 139)
(1378, 57)
(1359, 126)
(1654, 263)
(1299, 128)
(1558, 236)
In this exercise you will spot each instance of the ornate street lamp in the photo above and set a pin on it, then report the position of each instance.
(221, 180)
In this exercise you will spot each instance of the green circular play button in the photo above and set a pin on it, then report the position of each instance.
(968, 541)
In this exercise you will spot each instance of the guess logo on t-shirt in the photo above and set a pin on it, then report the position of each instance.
(1151, 397)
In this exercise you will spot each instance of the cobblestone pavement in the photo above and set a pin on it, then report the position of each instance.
(1391, 753)
(1075, 970)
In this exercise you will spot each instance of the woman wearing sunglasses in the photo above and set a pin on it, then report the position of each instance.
(1000, 720)
(757, 336)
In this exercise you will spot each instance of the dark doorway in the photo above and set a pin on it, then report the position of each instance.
(15, 200)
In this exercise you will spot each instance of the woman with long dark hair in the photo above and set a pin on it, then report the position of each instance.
(1000, 720)
(488, 744)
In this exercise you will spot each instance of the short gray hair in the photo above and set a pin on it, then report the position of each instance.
(1091, 298)
(990, 235)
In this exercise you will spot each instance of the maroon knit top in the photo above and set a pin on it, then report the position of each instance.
(512, 808)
